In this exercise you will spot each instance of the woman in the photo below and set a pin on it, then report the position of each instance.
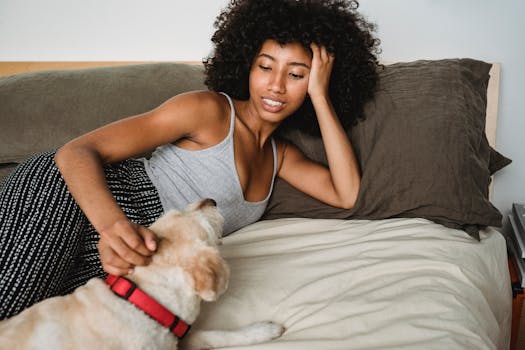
(84, 210)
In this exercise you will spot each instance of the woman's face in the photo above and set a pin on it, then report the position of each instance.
(279, 79)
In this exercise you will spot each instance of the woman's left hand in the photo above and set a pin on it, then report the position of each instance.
(319, 79)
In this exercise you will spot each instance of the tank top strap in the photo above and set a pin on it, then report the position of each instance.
(232, 113)
(274, 150)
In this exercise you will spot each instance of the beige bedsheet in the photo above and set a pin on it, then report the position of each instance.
(358, 284)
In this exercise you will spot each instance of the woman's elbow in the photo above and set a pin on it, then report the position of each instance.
(348, 204)
(349, 201)
(62, 155)
(71, 153)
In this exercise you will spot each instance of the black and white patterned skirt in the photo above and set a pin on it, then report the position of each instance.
(47, 245)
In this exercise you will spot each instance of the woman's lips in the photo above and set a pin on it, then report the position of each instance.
(272, 105)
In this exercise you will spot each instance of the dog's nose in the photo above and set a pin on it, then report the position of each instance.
(210, 202)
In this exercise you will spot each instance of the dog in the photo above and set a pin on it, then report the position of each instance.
(150, 308)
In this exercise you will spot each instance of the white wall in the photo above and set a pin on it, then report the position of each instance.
(106, 30)
(160, 30)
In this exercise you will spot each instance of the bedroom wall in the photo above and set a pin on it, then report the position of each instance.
(160, 30)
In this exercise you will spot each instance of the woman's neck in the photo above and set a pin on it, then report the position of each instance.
(260, 129)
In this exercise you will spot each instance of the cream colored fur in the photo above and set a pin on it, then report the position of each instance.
(186, 268)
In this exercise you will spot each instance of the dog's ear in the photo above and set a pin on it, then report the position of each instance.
(209, 273)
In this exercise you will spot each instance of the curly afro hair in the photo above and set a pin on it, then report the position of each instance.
(244, 25)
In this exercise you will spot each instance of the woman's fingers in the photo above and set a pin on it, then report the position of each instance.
(111, 262)
(315, 50)
(129, 253)
(149, 238)
(125, 245)
(130, 234)
(321, 53)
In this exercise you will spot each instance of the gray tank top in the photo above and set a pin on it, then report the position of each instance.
(184, 176)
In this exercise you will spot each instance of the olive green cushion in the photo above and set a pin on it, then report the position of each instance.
(43, 110)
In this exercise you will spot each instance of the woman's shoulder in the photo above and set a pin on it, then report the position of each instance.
(201, 117)
(208, 105)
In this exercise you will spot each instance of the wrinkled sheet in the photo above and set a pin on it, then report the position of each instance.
(359, 284)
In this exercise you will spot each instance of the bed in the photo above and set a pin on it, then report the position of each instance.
(362, 284)
(417, 264)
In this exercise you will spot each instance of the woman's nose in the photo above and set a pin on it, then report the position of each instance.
(277, 84)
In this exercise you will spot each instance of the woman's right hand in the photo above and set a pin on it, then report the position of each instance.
(124, 245)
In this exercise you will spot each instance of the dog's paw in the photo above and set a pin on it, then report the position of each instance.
(256, 333)
(264, 331)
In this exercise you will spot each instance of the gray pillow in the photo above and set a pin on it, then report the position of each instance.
(422, 150)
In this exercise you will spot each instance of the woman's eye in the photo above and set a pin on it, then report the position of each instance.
(296, 76)
(265, 68)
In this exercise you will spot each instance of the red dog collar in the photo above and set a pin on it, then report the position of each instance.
(128, 290)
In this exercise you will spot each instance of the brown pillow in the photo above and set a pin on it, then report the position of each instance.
(422, 150)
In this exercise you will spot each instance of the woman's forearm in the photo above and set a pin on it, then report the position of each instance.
(82, 170)
(342, 162)
(343, 170)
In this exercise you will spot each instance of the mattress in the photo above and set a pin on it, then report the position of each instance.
(360, 284)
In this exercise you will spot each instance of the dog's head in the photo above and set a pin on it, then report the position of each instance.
(199, 221)
(189, 239)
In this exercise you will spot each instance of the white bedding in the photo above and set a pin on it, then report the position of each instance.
(358, 284)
